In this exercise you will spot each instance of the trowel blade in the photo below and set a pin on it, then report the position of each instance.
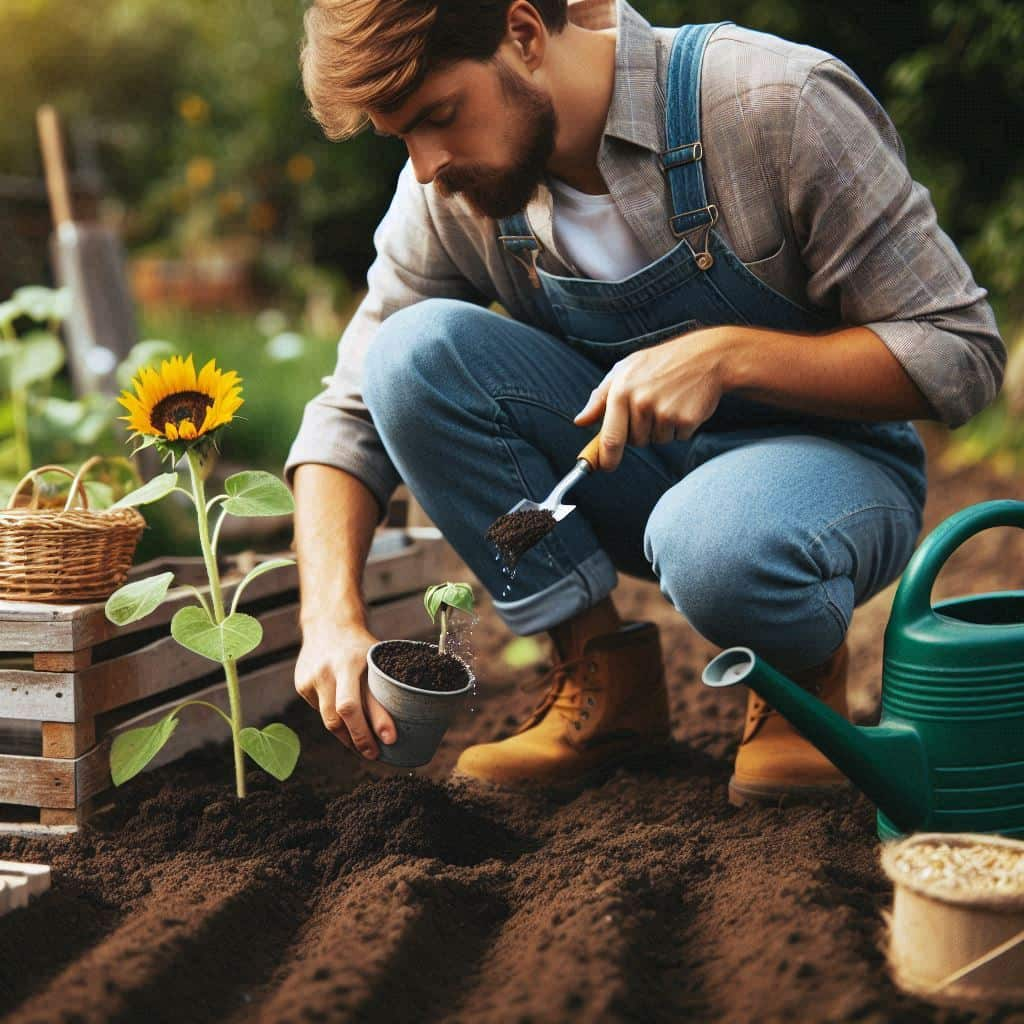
(559, 512)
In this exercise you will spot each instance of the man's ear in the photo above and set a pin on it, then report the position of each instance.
(528, 33)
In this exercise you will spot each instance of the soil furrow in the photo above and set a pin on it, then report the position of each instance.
(394, 941)
(184, 954)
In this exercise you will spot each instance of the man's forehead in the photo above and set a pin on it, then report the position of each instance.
(438, 87)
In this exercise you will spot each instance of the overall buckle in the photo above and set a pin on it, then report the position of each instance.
(534, 249)
(680, 156)
(703, 258)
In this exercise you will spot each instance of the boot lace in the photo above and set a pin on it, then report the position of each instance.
(555, 679)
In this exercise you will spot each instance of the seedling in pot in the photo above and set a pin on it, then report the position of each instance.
(421, 685)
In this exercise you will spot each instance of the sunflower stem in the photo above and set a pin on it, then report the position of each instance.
(217, 599)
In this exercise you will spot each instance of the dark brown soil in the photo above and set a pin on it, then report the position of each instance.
(515, 533)
(420, 666)
(355, 892)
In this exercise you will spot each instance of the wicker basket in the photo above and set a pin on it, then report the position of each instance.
(68, 554)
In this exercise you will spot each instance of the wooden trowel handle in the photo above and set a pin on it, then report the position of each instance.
(54, 165)
(591, 454)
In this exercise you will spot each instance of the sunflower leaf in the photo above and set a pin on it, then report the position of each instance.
(275, 748)
(131, 751)
(235, 637)
(255, 493)
(136, 600)
(157, 488)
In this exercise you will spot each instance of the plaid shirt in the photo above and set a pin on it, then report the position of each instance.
(814, 196)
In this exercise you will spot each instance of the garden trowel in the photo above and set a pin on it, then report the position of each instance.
(586, 462)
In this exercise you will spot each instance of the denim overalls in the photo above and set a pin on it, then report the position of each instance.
(765, 528)
(699, 283)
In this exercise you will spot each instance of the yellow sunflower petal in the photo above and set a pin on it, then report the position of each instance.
(187, 430)
(170, 431)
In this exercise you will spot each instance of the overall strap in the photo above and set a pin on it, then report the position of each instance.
(682, 159)
(514, 233)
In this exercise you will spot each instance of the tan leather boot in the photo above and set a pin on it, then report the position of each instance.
(605, 703)
(774, 760)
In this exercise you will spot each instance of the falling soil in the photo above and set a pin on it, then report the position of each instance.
(354, 892)
(515, 533)
(421, 666)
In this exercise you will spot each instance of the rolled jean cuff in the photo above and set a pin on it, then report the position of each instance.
(594, 578)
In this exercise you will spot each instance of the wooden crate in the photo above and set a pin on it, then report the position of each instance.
(70, 681)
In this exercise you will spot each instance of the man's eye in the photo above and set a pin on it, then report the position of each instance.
(441, 122)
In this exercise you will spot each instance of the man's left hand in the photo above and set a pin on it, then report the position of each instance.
(657, 395)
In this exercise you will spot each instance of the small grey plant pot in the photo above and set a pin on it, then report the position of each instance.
(421, 716)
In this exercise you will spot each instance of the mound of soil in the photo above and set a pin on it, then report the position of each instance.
(355, 892)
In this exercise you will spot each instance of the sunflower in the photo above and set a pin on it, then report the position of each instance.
(176, 409)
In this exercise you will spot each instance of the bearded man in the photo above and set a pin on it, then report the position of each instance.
(707, 242)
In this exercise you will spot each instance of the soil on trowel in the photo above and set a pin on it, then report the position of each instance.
(358, 892)
(514, 533)
(422, 667)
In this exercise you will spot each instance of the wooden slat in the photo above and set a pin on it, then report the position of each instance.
(62, 661)
(37, 875)
(34, 627)
(68, 739)
(37, 781)
(17, 886)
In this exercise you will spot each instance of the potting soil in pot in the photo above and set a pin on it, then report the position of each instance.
(515, 533)
(421, 667)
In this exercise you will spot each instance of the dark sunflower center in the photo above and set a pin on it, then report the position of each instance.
(183, 405)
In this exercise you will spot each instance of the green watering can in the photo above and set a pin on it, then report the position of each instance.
(948, 753)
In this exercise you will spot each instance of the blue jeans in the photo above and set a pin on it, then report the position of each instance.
(766, 537)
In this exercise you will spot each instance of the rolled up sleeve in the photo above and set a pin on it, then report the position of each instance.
(874, 250)
(411, 265)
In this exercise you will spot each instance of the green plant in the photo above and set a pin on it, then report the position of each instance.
(191, 409)
(40, 425)
(440, 599)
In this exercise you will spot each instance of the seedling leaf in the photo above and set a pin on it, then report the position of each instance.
(136, 600)
(255, 493)
(236, 636)
(274, 748)
(131, 751)
(455, 595)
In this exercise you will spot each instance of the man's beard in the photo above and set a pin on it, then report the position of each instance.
(501, 193)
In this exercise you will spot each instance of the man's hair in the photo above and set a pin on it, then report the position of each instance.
(361, 55)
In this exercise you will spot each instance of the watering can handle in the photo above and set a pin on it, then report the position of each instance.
(913, 599)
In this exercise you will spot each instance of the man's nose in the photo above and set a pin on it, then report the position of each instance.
(427, 160)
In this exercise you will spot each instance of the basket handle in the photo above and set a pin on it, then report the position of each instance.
(77, 485)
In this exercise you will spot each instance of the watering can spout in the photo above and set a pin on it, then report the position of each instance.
(886, 762)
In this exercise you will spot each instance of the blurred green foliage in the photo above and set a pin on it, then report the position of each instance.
(197, 110)
(194, 112)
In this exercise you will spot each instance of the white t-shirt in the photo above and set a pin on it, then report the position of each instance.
(593, 234)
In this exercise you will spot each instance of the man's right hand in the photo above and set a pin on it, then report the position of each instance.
(330, 676)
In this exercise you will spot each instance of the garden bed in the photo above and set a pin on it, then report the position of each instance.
(362, 893)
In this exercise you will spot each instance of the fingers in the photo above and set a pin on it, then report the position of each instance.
(593, 410)
(664, 432)
(383, 724)
(615, 429)
(349, 708)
